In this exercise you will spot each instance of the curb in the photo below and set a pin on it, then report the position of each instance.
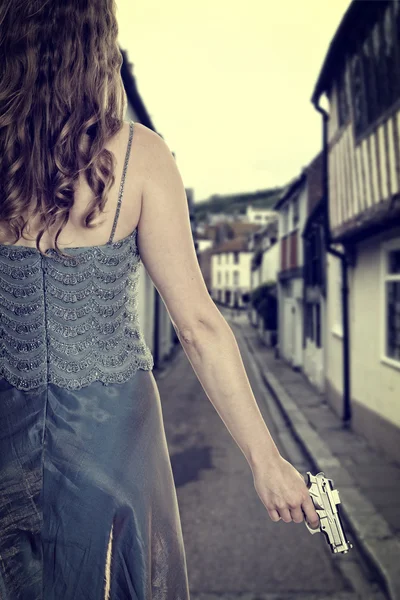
(369, 528)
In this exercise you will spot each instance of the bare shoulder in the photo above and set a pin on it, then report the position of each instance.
(146, 138)
(165, 237)
(153, 150)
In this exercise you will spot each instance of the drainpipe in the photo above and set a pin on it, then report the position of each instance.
(344, 261)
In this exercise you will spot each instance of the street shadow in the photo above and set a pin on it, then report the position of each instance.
(187, 464)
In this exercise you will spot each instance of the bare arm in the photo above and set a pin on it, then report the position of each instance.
(166, 247)
(215, 357)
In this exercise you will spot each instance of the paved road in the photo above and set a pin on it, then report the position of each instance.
(234, 551)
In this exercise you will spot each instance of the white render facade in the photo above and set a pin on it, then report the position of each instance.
(230, 277)
(314, 357)
(374, 355)
(260, 216)
(363, 153)
(292, 217)
(203, 245)
(267, 271)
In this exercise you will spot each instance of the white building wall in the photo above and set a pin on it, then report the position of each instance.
(203, 245)
(290, 294)
(314, 357)
(255, 278)
(222, 272)
(334, 332)
(260, 216)
(375, 380)
(270, 264)
(303, 201)
(215, 218)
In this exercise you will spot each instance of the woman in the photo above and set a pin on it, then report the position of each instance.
(88, 507)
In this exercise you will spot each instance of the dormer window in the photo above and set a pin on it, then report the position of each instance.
(343, 99)
(374, 72)
(295, 211)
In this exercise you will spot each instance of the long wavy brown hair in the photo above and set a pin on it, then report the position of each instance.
(60, 82)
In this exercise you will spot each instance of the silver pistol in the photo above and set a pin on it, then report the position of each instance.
(326, 500)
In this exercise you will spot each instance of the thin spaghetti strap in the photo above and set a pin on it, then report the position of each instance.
(121, 189)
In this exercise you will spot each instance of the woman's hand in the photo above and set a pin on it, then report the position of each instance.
(283, 491)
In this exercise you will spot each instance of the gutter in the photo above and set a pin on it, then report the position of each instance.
(345, 261)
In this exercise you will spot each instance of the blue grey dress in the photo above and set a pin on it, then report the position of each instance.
(88, 507)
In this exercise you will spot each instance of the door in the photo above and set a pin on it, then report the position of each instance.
(287, 329)
(294, 334)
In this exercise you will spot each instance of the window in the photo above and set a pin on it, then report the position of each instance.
(219, 276)
(359, 111)
(318, 324)
(219, 259)
(236, 277)
(379, 65)
(315, 259)
(309, 321)
(371, 88)
(285, 220)
(343, 99)
(313, 322)
(314, 256)
(388, 53)
(374, 70)
(227, 277)
(295, 211)
(391, 301)
(236, 258)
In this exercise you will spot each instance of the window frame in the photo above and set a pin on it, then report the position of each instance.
(381, 110)
(317, 313)
(285, 219)
(310, 333)
(343, 97)
(386, 247)
(295, 211)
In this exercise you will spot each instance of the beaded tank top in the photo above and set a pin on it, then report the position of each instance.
(71, 321)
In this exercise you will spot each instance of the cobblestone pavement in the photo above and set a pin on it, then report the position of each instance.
(234, 551)
(369, 483)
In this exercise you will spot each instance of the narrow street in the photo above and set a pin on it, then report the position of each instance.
(234, 551)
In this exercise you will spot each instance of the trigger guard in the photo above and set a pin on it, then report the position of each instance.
(311, 530)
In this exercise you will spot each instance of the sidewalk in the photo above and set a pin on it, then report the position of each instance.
(368, 483)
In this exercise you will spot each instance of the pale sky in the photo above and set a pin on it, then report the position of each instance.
(228, 84)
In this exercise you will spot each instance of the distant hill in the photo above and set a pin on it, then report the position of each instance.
(236, 203)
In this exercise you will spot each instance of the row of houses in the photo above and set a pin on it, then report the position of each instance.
(334, 252)
(360, 79)
(225, 248)
(339, 232)
(331, 242)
